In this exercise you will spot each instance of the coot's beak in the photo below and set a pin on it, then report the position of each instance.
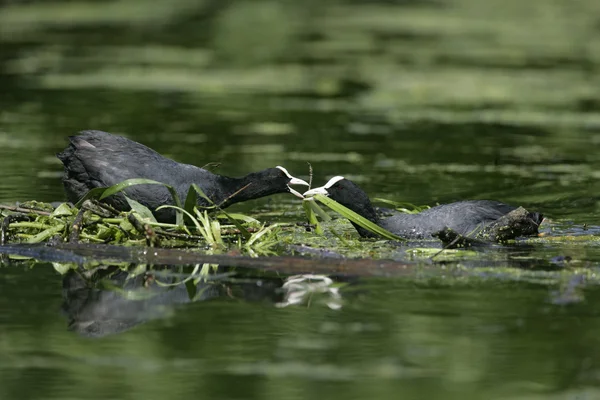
(323, 189)
(294, 181)
(318, 190)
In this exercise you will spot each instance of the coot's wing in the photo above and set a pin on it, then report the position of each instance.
(101, 159)
(98, 159)
(463, 217)
(466, 217)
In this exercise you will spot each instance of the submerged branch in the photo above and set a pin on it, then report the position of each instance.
(24, 210)
(88, 253)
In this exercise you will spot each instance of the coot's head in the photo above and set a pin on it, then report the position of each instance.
(282, 178)
(255, 185)
(348, 194)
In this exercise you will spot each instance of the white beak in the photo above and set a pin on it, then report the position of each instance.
(298, 181)
(318, 190)
(295, 192)
(293, 181)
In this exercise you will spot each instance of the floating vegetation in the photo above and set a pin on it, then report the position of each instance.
(91, 221)
(214, 231)
(218, 238)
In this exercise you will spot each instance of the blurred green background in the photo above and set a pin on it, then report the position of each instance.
(422, 101)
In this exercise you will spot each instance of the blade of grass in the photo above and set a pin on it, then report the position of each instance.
(239, 217)
(194, 220)
(46, 234)
(201, 193)
(357, 219)
(206, 225)
(62, 210)
(319, 211)
(404, 207)
(244, 232)
(103, 192)
(257, 235)
(190, 200)
(141, 209)
(311, 216)
(216, 231)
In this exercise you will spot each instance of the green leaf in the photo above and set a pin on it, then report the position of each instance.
(191, 217)
(126, 225)
(190, 203)
(103, 192)
(62, 210)
(141, 209)
(238, 216)
(245, 234)
(201, 193)
(257, 235)
(319, 211)
(311, 216)
(357, 219)
(206, 225)
(138, 181)
(92, 194)
(190, 200)
(216, 232)
(46, 234)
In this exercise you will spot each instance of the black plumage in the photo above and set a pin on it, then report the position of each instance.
(467, 218)
(100, 159)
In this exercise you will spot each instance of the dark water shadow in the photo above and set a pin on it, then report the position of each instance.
(108, 300)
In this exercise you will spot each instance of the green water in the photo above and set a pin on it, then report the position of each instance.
(417, 101)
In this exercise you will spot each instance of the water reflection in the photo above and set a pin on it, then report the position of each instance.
(418, 337)
(108, 300)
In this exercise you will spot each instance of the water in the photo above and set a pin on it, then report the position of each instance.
(421, 339)
(421, 102)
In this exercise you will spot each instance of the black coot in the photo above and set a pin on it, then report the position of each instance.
(466, 218)
(99, 159)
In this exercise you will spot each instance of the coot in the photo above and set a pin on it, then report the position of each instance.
(468, 218)
(100, 159)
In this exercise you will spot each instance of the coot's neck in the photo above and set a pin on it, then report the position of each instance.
(234, 190)
(363, 232)
(365, 209)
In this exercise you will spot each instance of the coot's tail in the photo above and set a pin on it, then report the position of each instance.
(74, 173)
(66, 154)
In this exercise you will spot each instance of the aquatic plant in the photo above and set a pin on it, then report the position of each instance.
(346, 213)
(92, 221)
